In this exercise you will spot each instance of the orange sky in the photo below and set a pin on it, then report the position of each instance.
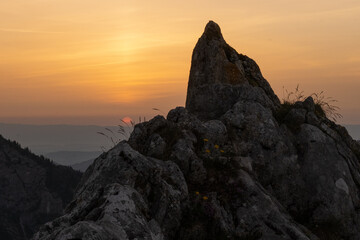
(96, 61)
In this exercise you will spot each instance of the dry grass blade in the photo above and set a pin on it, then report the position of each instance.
(158, 110)
(125, 122)
(103, 149)
(109, 130)
(293, 96)
(123, 132)
(108, 137)
(327, 104)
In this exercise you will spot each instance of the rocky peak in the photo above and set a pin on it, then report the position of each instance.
(212, 31)
(219, 77)
(234, 164)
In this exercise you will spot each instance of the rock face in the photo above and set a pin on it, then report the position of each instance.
(233, 164)
(32, 191)
(219, 77)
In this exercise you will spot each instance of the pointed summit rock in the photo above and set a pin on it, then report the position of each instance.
(213, 31)
(219, 77)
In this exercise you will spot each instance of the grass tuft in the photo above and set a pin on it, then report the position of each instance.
(324, 106)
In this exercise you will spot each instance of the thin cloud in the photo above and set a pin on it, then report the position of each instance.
(26, 31)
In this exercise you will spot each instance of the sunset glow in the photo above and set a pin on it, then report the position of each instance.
(94, 62)
(127, 120)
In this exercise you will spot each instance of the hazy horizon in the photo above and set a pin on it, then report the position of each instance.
(44, 139)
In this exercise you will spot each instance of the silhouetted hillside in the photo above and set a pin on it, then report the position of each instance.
(33, 190)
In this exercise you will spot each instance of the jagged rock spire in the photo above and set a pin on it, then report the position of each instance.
(215, 69)
(213, 31)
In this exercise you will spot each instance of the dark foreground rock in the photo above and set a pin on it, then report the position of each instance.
(33, 191)
(233, 164)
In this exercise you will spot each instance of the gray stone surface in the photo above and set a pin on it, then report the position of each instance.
(219, 76)
(124, 195)
(233, 164)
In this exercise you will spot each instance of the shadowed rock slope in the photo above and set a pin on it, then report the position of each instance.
(33, 191)
(233, 164)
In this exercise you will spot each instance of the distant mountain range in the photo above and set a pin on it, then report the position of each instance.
(72, 157)
(76, 159)
(83, 165)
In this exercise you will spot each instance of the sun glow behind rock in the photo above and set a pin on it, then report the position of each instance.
(127, 120)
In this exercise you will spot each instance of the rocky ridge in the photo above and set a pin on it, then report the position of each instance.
(234, 164)
(33, 191)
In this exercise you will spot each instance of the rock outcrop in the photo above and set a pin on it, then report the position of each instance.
(219, 77)
(233, 164)
(33, 191)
